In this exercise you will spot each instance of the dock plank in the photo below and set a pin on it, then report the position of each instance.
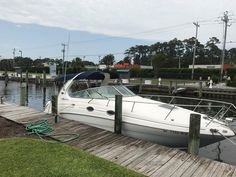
(182, 169)
(220, 170)
(201, 168)
(234, 174)
(211, 169)
(145, 157)
(158, 161)
(137, 153)
(173, 164)
(198, 162)
(229, 171)
(111, 142)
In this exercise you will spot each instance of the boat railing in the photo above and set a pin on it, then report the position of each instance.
(213, 109)
(217, 109)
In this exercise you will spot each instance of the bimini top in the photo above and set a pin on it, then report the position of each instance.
(88, 75)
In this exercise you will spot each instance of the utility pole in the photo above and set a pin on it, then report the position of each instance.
(20, 53)
(179, 62)
(63, 57)
(194, 50)
(14, 55)
(225, 20)
(99, 59)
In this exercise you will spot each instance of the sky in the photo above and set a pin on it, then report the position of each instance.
(95, 28)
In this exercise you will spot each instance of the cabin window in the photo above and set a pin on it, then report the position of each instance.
(108, 92)
(124, 91)
(104, 92)
(80, 94)
(77, 89)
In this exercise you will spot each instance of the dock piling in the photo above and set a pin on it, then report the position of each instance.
(140, 85)
(194, 134)
(200, 90)
(27, 78)
(170, 88)
(21, 77)
(44, 79)
(118, 114)
(22, 96)
(54, 108)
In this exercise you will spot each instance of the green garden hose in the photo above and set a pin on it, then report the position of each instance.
(42, 129)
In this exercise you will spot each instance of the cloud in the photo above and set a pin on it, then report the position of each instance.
(169, 18)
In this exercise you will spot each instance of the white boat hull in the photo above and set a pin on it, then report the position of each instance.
(156, 135)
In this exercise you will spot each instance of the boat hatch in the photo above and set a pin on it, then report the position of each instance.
(168, 106)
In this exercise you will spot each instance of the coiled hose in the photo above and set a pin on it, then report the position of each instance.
(42, 129)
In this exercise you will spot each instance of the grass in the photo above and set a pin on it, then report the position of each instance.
(25, 157)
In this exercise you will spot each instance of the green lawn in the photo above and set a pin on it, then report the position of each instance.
(25, 157)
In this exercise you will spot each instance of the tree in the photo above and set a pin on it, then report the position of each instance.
(107, 60)
(88, 63)
(157, 61)
(212, 52)
(24, 62)
(127, 60)
(77, 64)
(139, 54)
(231, 57)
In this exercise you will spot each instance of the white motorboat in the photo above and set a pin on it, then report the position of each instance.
(155, 121)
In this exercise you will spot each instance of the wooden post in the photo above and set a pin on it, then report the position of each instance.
(26, 95)
(27, 87)
(6, 78)
(170, 88)
(194, 134)
(54, 108)
(27, 78)
(200, 90)
(1, 99)
(38, 80)
(21, 77)
(44, 79)
(118, 114)
(140, 85)
(22, 95)
(44, 97)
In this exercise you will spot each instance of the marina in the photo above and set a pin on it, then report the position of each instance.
(141, 156)
(121, 89)
(37, 98)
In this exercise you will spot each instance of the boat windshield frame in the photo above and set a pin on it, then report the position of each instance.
(102, 92)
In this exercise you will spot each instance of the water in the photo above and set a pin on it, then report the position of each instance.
(37, 98)
(223, 151)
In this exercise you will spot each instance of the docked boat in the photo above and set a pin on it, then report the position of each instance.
(143, 118)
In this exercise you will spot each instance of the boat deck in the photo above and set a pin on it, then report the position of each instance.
(144, 157)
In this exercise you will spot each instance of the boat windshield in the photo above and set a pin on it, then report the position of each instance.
(103, 92)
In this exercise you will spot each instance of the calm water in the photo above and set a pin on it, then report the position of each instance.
(222, 151)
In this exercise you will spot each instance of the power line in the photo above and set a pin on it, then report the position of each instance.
(90, 55)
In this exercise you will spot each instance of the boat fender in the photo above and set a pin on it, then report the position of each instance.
(229, 119)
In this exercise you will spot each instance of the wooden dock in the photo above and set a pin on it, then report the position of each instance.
(144, 157)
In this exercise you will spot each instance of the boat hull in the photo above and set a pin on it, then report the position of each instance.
(156, 135)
